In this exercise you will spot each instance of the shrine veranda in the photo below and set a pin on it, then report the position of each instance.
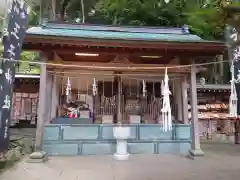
(96, 76)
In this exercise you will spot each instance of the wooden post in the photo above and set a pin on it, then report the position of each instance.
(178, 99)
(48, 97)
(195, 146)
(55, 98)
(184, 100)
(119, 100)
(38, 155)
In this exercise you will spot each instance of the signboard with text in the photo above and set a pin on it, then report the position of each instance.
(12, 43)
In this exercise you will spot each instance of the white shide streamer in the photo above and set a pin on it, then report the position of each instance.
(68, 89)
(144, 89)
(166, 109)
(233, 96)
(94, 87)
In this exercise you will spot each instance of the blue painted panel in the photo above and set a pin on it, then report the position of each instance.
(184, 148)
(80, 132)
(168, 148)
(61, 149)
(183, 132)
(107, 132)
(141, 148)
(98, 148)
(51, 133)
(154, 132)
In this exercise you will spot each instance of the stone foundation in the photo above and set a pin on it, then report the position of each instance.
(96, 139)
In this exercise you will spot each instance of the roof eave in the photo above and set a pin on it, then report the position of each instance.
(217, 47)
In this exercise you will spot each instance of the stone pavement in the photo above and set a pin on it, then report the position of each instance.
(221, 162)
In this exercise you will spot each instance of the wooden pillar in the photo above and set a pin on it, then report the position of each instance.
(119, 100)
(178, 98)
(184, 87)
(48, 97)
(38, 155)
(55, 97)
(195, 146)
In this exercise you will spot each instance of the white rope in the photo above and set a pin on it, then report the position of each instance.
(110, 67)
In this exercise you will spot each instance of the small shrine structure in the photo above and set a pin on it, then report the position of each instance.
(95, 76)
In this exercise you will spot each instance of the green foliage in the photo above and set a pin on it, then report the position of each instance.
(204, 19)
(74, 9)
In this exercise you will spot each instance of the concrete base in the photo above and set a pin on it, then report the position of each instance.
(121, 157)
(38, 157)
(195, 153)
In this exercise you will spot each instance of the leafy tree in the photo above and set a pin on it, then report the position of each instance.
(205, 18)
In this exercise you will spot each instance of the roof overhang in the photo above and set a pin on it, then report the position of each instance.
(56, 43)
(66, 37)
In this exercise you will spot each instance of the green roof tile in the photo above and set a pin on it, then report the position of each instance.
(103, 32)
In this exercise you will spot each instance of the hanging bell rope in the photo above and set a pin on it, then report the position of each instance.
(166, 109)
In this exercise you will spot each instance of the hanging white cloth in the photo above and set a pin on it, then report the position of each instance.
(233, 96)
(166, 109)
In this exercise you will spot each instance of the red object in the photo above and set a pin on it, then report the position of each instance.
(72, 115)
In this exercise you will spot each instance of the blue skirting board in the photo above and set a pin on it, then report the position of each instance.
(97, 139)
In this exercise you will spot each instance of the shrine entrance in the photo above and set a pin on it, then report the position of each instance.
(125, 97)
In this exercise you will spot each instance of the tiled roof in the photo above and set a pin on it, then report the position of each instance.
(116, 33)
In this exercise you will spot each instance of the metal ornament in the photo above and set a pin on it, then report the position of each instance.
(94, 89)
(144, 88)
(166, 109)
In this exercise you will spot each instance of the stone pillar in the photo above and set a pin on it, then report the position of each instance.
(195, 146)
(38, 155)
(184, 87)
